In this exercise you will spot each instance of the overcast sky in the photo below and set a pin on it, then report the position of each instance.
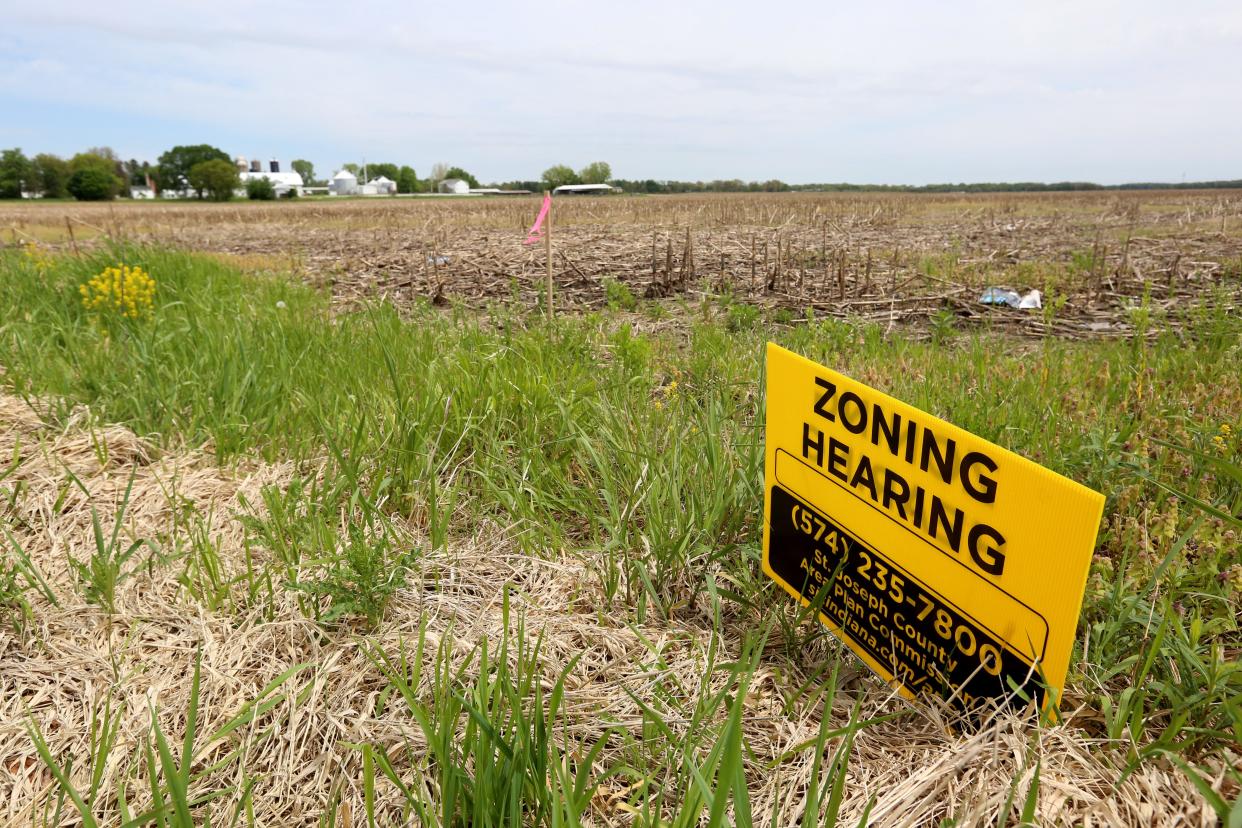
(898, 92)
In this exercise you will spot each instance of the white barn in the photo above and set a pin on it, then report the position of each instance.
(454, 186)
(282, 182)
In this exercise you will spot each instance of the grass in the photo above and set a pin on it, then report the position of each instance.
(641, 454)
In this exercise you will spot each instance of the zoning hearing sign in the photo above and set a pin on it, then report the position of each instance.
(951, 566)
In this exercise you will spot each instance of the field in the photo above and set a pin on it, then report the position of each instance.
(886, 258)
(334, 526)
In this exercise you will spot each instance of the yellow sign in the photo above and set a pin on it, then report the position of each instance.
(951, 566)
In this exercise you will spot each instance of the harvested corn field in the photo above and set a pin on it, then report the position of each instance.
(886, 258)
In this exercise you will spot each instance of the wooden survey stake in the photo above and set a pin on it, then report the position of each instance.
(547, 245)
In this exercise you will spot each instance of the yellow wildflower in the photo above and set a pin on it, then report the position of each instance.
(1221, 441)
(123, 290)
(37, 256)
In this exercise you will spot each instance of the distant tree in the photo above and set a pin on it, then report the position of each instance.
(93, 177)
(305, 169)
(173, 167)
(439, 172)
(16, 173)
(558, 175)
(458, 172)
(51, 175)
(533, 186)
(119, 168)
(353, 168)
(217, 178)
(93, 184)
(596, 173)
(260, 188)
(407, 181)
(138, 172)
(375, 170)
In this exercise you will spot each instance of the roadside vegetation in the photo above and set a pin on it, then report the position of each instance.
(451, 567)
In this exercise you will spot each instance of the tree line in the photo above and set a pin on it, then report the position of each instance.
(208, 172)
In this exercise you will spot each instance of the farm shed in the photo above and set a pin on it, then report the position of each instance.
(383, 185)
(282, 182)
(454, 186)
(583, 189)
(343, 183)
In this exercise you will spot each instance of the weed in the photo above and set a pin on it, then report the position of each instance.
(123, 290)
(359, 578)
(742, 317)
(496, 752)
(105, 570)
(619, 296)
(943, 325)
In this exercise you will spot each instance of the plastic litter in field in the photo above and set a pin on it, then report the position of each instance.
(1002, 296)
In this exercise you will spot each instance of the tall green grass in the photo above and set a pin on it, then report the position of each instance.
(642, 454)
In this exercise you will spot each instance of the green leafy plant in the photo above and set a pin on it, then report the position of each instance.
(742, 316)
(943, 326)
(105, 570)
(619, 296)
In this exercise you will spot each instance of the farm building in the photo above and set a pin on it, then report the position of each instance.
(454, 186)
(383, 186)
(343, 183)
(583, 189)
(496, 191)
(283, 182)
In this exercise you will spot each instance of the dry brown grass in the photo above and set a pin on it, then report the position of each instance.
(75, 656)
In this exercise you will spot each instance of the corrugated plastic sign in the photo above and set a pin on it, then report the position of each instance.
(951, 566)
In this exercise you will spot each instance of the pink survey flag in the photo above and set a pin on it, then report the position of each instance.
(536, 233)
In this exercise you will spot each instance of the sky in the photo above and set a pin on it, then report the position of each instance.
(820, 91)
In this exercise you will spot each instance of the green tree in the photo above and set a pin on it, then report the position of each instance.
(173, 167)
(92, 184)
(458, 172)
(93, 177)
(138, 172)
(260, 188)
(407, 181)
(119, 168)
(16, 173)
(597, 173)
(558, 175)
(51, 175)
(305, 169)
(389, 171)
(353, 168)
(217, 178)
